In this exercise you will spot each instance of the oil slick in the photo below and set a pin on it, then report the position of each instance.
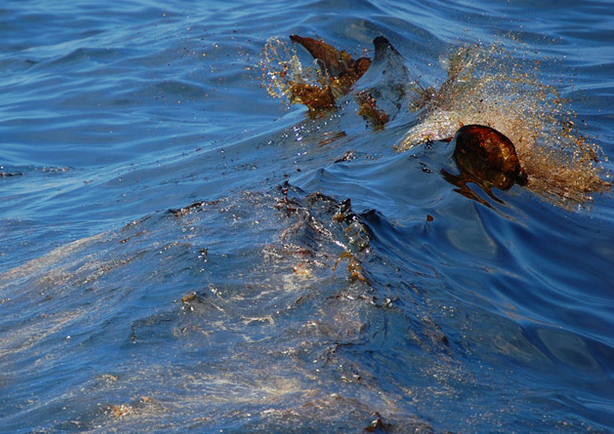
(485, 86)
(487, 158)
(488, 86)
(276, 345)
(317, 88)
(334, 75)
(338, 70)
(382, 90)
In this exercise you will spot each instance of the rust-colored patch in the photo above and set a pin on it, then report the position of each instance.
(339, 73)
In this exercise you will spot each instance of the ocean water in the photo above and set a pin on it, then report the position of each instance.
(186, 251)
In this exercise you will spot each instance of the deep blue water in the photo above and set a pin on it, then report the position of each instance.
(179, 254)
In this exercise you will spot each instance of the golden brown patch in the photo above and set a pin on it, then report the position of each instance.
(338, 70)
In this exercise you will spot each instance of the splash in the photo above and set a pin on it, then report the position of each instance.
(318, 85)
(281, 66)
(489, 85)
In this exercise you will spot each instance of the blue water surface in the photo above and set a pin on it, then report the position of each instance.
(183, 252)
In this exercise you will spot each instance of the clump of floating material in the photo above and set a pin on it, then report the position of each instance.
(487, 154)
(333, 75)
(487, 158)
(319, 86)
(487, 86)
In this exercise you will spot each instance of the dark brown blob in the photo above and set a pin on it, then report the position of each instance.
(485, 157)
(485, 153)
(339, 72)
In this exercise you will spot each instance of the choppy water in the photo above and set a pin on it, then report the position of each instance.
(180, 254)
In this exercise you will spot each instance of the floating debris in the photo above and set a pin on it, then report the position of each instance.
(487, 158)
(486, 154)
(318, 87)
(321, 87)
(490, 86)
(487, 86)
